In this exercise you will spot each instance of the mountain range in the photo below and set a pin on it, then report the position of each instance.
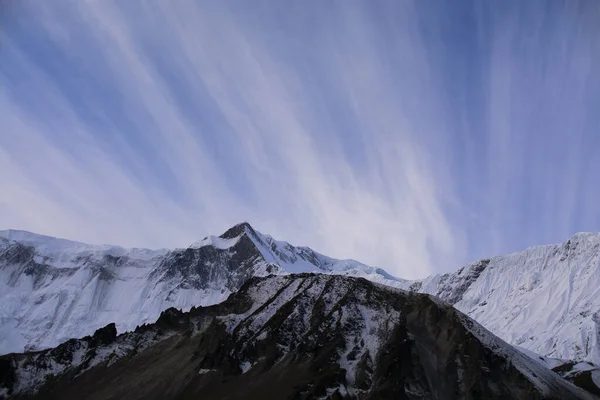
(544, 300)
(300, 336)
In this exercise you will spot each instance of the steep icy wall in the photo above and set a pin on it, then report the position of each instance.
(545, 299)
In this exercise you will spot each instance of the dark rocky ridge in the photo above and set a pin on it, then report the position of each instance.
(580, 377)
(292, 337)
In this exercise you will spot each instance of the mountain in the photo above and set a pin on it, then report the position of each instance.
(299, 336)
(52, 290)
(545, 299)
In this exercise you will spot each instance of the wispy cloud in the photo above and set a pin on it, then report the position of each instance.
(352, 128)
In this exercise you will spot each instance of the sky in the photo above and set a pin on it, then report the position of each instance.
(410, 135)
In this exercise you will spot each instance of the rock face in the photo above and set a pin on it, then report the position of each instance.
(292, 337)
(52, 290)
(545, 299)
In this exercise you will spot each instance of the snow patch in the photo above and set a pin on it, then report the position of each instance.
(216, 242)
(203, 371)
(245, 366)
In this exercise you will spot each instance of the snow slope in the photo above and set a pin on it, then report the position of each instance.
(53, 289)
(545, 299)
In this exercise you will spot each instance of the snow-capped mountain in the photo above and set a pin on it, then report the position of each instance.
(545, 299)
(53, 289)
(304, 336)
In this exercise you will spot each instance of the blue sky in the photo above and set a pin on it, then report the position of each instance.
(410, 135)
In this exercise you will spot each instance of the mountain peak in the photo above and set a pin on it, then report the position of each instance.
(229, 238)
(237, 230)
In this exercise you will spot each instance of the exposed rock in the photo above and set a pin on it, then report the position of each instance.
(106, 335)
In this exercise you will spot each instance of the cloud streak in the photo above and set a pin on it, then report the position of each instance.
(352, 128)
